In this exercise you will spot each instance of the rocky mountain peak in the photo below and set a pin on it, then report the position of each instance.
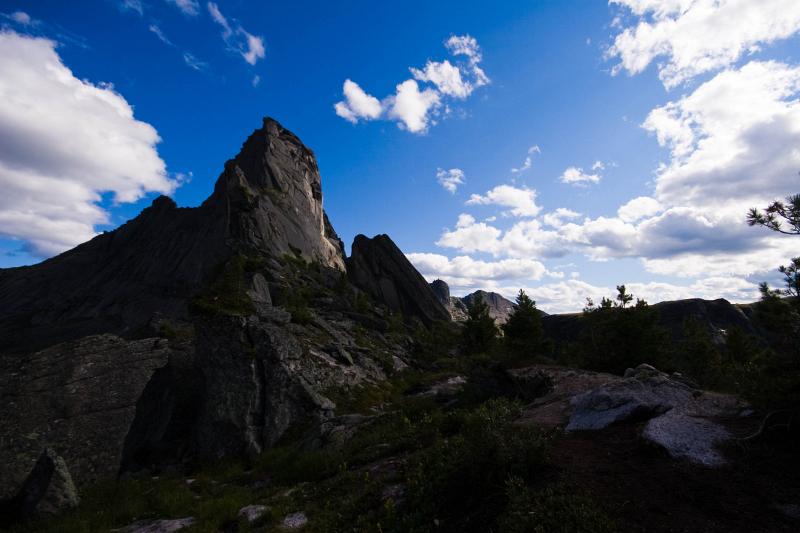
(270, 198)
(378, 267)
(267, 202)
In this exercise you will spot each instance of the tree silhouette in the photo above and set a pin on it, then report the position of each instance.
(523, 329)
(778, 213)
(479, 328)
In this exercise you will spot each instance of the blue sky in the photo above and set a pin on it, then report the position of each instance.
(669, 103)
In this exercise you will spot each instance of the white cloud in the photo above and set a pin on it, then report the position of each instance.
(470, 236)
(464, 271)
(416, 108)
(639, 208)
(698, 36)
(467, 45)
(733, 140)
(188, 7)
(576, 176)
(528, 159)
(256, 80)
(526, 238)
(255, 48)
(450, 179)
(357, 104)
(237, 39)
(446, 77)
(65, 142)
(556, 218)
(521, 200)
(598, 165)
(412, 107)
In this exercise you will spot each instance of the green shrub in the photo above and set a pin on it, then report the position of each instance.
(557, 509)
(460, 479)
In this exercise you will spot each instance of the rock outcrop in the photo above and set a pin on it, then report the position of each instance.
(688, 423)
(379, 268)
(500, 308)
(85, 392)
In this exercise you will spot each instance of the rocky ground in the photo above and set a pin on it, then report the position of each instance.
(593, 441)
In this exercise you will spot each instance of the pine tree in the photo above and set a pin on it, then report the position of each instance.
(480, 329)
(523, 330)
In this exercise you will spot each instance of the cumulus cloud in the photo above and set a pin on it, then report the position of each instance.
(357, 104)
(237, 39)
(450, 179)
(66, 142)
(734, 138)
(188, 7)
(463, 271)
(521, 200)
(415, 108)
(639, 208)
(526, 238)
(471, 236)
(412, 107)
(467, 45)
(697, 36)
(576, 176)
(556, 218)
(446, 78)
(528, 159)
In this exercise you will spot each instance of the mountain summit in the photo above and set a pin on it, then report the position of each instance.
(267, 201)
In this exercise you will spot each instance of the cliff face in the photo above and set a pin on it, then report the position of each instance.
(270, 199)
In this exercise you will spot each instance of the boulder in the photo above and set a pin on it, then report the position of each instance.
(644, 394)
(688, 423)
(252, 513)
(379, 268)
(688, 437)
(48, 489)
(295, 520)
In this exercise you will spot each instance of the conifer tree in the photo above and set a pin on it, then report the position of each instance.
(523, 330)
(480, 329)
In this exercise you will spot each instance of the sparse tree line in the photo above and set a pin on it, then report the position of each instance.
(624, 332)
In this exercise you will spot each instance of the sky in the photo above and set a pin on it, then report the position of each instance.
(563, 147)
